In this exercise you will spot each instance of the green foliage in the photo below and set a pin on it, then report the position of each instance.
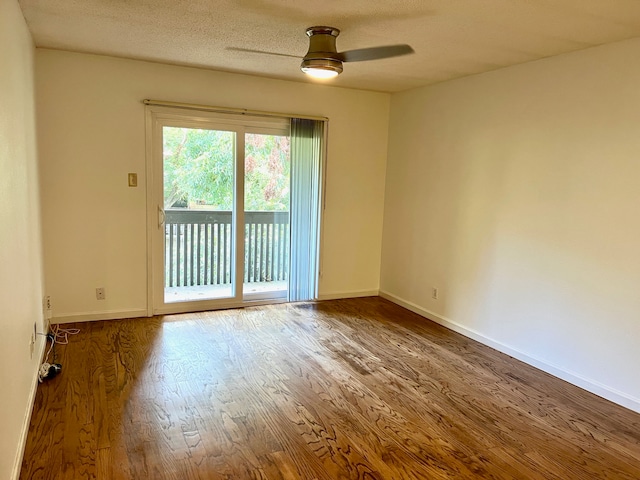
(198, 169)
(267, 170)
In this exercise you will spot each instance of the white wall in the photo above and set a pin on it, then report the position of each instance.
(516, 193)
(92, 133)
(20, 245)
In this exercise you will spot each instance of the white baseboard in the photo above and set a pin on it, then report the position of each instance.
(356, 294)
(17, 466)
(587, 384)
(93, 316)
(120, 314)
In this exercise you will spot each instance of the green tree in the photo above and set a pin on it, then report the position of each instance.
(267, 169)
(198, 169)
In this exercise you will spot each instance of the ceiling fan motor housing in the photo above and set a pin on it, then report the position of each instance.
(322, 43)
(322, 49)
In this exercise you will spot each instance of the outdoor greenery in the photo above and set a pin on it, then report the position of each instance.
(198, 170)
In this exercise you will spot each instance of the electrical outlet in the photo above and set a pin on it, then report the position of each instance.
(100, 295)
(47, 309)
(434, 293)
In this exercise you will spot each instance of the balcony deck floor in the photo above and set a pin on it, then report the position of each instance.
(211, 292)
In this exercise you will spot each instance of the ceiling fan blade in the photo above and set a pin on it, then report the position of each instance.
(262, 52)
(374, 53)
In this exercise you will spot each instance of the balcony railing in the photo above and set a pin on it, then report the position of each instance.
(198, 247)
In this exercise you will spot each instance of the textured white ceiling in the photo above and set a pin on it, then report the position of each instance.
(452, 38)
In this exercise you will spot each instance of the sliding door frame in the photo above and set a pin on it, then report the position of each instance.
(156, 118)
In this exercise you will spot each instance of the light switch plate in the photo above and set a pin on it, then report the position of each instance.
(133, 179)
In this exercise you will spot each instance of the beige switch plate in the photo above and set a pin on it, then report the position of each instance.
(133, 179)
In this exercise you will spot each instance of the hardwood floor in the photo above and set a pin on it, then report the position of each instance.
(347, 389)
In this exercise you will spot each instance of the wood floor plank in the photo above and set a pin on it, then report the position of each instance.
(346, 389)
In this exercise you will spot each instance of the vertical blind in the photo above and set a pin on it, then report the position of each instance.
(306, 160)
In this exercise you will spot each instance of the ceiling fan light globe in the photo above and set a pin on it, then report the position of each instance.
(321, 68)
(316, 72)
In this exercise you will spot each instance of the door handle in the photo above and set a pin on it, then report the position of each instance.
(161, 217)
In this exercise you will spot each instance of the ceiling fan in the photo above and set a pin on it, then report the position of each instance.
(324, 61)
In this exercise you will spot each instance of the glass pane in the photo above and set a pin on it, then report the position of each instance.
(266, 216)
(198, 203)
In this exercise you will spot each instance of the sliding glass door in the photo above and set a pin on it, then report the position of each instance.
(198, 203)
(266, 214)
(221, 197)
